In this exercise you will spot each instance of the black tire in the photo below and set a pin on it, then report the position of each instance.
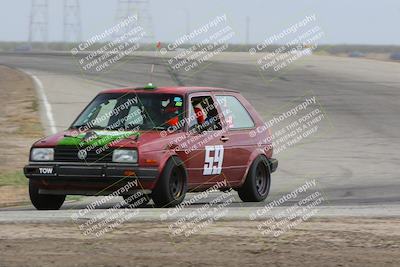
(137, 200)
(172, 185)
(258, 182)
(42, 201)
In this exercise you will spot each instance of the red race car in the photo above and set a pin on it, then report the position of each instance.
(161, 142)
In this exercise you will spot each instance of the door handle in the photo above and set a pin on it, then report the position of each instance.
(224, 138)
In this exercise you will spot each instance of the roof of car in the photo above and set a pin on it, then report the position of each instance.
(167, 90)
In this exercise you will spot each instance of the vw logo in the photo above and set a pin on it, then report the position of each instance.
(82, 154)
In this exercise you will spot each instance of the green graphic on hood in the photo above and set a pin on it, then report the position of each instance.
(96, 138)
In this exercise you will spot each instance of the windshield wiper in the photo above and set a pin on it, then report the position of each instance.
(89, 128)
(161, 128)
(139, 127)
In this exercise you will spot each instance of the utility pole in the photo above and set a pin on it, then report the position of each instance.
(139, 9)
(247, 29)
(72, 21)
(38, 23)
(187, 16)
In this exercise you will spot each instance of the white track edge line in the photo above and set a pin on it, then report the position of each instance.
(46, 103)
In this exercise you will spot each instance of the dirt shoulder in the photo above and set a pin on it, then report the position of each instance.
(319, 242)
(20, 121)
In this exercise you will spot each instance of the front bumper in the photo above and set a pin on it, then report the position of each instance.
(64, 173)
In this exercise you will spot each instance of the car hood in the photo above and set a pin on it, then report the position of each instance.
(98, 138)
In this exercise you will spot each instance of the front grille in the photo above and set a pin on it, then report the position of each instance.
(70, 154)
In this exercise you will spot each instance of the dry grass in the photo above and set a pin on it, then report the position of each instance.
(20, 127)
(320, 242)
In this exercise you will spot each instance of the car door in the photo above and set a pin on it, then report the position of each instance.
(236, 137)
(202, 150)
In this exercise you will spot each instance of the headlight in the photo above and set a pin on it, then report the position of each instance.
(123, 155)
(42, 154)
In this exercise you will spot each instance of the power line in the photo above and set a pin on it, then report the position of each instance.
(139, 9)
(72, 21)
(247, 30)
(39, 23)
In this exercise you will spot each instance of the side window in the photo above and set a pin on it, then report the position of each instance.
(235, 114)
(172, 111)
(203, 113)
(192, 121)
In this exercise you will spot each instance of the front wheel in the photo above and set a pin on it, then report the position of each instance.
(172, 185)
(258, 181)
(44, 201)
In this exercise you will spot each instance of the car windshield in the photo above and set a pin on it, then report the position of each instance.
(132, 111)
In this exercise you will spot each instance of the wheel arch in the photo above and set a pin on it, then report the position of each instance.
(163, 163)
(252, 158)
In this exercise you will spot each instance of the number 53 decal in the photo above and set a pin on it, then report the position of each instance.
(213, 161)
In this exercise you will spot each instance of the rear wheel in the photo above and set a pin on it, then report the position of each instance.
(258, 181)
(44, 201)
(172, 185)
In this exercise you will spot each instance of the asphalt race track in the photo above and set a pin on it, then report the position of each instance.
(355, 159)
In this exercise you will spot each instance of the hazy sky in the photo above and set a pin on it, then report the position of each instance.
(343, 21)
